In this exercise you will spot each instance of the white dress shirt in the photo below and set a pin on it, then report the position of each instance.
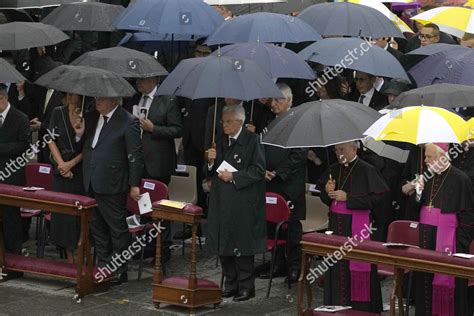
(4, 115)
(368, 96)
(100, 124)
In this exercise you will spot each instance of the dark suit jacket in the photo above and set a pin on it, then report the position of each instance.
(194, 113)
(15, 137)
(116, 162)
(158, 146)
(377, 102)
(39, 98)
(25, 105)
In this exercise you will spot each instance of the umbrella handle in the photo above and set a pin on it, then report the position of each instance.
(214, 123)
(251, 112)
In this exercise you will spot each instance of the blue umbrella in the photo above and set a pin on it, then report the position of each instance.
(263, 27)
(453, 66)
(354, 53)
(276, 62)
(176, 17)
(432, 49)
(219, 77)
(348, 19)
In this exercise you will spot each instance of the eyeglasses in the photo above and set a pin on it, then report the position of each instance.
(426, 36)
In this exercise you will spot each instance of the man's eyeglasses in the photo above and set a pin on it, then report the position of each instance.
(426, 36)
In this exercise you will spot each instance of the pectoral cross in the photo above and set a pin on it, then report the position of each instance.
(430, 206)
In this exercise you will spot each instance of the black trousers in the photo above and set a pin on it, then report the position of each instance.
(238, 272)
(110, 230)
(12, 230)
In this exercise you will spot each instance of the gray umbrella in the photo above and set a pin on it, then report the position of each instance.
(123, 61)
(320, 124)
(86, 81)
(21, 35)
(354, 53)
(34, 4)
(8, 73)
(349, 19)
(432, 49)
(444, 95)
(92, 16)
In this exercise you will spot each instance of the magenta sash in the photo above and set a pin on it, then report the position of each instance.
(359, 271)
(443, 285)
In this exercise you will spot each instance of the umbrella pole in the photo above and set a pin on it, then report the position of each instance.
(214, 125)
(82, 107)
(327, 157)
(251, 113)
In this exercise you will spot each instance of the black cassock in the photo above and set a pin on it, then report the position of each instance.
(452, 192)
(365, 188)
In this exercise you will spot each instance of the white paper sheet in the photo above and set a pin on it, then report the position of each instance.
(144, 203)
(225, 166)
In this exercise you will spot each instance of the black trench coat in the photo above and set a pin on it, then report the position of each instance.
(236, 218)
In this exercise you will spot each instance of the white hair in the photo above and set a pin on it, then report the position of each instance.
(286, 91)
(237, 111)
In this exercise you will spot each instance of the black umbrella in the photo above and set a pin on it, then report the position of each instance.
(32, 4)
(21, 35)
(443, 95)
(86, 81)
(8, 73)
(92, 16)
(320, 124)
(123, 61)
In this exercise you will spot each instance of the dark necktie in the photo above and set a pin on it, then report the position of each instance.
(106, 119)
(361, 99)
(1, 120)
(232, 141)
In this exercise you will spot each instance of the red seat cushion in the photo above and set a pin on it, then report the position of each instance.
(377, 247)
(347, 312)
(50, 196)
(182, 282)
(271, 243)
(136, 229)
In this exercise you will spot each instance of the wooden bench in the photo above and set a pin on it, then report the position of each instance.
(423, 260)
(83, 271)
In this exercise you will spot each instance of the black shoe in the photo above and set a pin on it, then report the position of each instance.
(278, 271)
(293, 276)
(119, 279)
(245, 295)
(229, 293)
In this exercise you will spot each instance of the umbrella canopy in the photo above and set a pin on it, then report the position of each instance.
(454, 66)
(21, 35)
(86, 81)
(320, 123)
(355, 54)
(432, 49)
(219, 77)
(92, 16)
(232, 2)
(386, 150)
(123, 61)
(379, 6)
(8, 73)
(443, 95)
(348, 19)
(178, 17)
(263, 27)
(452, 20)
(419, 125)
(34, 4)
(276, 62)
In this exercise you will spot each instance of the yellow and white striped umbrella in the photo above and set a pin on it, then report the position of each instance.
(469, 3)
(452, 20)
(419, 125)
(379, 6)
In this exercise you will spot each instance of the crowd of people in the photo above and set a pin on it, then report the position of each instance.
(107, 151)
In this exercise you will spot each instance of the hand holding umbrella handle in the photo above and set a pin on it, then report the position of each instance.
(210, 154)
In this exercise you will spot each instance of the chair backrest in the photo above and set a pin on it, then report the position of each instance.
(406, 232)
(316, 214)
(276, 208)
(184, 188)
(157, 190)
(39, 175)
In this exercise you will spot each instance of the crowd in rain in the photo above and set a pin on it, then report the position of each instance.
(364, 106)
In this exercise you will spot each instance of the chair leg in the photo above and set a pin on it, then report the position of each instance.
(410, 279)
(222, 279)
(41, 233)
(182, 249)
(271, 269)
(140, 263)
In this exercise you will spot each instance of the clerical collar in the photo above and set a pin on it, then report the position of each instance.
(350, 162)
(444, 169)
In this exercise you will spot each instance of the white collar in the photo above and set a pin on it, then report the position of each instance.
(109, 115)
(4, 113)
(236, 135)
(368, 95)
(353, 159)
